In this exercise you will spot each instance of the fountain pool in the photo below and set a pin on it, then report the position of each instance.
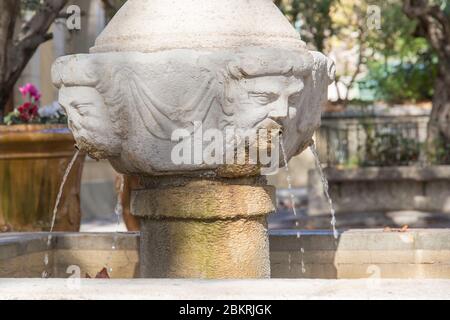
(359, 254)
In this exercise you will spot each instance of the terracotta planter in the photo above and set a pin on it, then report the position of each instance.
(130, 183)
(33, 160)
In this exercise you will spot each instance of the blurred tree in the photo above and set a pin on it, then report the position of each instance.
(329, 24)
(402, 81)
(352, 37)
(17, 45)
(433, 18)
(404, 66)
(389, 61)
(111, 7)
(312, 18)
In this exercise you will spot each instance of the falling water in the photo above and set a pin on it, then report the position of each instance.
(45, 274)
(118, 212)
(294, 209)
(302, 251)
(288, 178)
(325, 190)
(302, 254)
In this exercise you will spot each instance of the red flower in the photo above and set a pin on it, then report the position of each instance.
(28, 111)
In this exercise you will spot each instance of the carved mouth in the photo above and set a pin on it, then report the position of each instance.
(270, 125)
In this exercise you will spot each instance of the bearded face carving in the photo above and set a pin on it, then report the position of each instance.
(126, 107)
(263, 102)
(88, 116)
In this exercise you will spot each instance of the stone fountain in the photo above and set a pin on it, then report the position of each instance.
(158, 96)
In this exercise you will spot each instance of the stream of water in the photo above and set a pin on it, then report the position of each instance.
(293, 204)
(45, 273)
(326, 190)
(288, 178)
(118, 212)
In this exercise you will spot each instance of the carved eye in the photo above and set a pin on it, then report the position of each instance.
(295, 98)
(83, 108)
(263, 98)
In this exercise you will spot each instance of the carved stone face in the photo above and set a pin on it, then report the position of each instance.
(126, 106)
(89, 121)
(263, 102)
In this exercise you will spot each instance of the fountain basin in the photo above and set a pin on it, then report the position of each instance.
(357, 254)
(383, 190)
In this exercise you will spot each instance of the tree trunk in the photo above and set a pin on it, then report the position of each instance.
(111, 7)
(9, 10)
(439, 125)
(9, 104)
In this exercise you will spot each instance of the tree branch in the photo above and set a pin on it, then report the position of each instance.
(31, 36)
(110, 5)
(434, 23)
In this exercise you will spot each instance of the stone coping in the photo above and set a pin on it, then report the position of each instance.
(389, 173)
(365, 289)
(16, 244)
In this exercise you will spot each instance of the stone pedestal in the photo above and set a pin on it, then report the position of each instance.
(204, 227)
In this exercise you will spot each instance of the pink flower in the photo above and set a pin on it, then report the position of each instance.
(30, 89)
(24, 91)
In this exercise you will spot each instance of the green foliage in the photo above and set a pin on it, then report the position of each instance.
(396, 38)
(316, 23)
(12, 118)
(30, 5)
(404, 67)
(398, 66)
(312, 18)
(405, 81)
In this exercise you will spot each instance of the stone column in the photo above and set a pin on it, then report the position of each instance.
(199, 227)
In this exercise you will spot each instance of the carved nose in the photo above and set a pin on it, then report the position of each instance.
(280, 111)
(292, 113)
(73, 125)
